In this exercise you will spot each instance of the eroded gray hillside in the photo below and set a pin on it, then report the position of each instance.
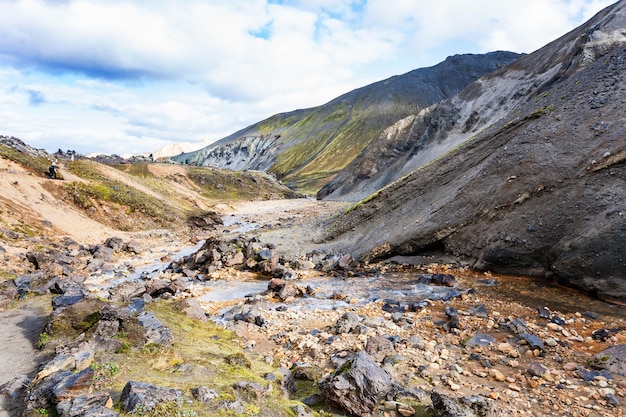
(541, 187)
(305, 148)
(425, 136)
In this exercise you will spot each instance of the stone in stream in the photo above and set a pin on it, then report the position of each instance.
(358, 385)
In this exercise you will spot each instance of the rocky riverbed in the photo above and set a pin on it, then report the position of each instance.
(411, 337)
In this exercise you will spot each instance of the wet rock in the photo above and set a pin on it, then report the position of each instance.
(248, 314)
(207, 220)
(144, 397)
(284, 289)
(358, 386)
(543, 312)
(284, 272)
(601, 334)
(612, 359)
(472, 406)
(156, 332)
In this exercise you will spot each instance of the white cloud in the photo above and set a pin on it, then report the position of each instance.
(123, 75)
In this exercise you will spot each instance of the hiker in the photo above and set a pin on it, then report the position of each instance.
(52, 171)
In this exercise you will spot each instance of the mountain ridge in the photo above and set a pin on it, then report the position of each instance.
(306, 147)
(538, 192)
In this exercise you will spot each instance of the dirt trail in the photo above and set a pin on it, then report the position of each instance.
(20, 328)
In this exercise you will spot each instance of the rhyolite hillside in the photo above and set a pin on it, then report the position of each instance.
(306, 148)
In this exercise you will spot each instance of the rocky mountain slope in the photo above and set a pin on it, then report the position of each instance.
(533, 180)
(305, 148)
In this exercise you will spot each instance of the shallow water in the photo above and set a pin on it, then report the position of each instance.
(236, 224)
(402, 287)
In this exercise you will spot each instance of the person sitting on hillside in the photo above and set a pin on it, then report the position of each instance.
(52, 171)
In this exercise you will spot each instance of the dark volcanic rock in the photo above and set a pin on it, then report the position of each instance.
(144, 397)
(471, 406)
(537, 187)
(358, 385)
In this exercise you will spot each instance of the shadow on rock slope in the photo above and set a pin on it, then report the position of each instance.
(537, 188)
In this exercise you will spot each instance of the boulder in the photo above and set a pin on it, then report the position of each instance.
(358, 385)
(73, 385)
(98, 405)
(145, 397)
(472, 406)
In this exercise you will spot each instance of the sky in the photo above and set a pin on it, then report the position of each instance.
(127, 77)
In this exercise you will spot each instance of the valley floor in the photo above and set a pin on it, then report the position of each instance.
(430, 355)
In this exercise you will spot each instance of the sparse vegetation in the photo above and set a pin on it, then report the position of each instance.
(101, 188)
(43, 339)
(36, 164)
